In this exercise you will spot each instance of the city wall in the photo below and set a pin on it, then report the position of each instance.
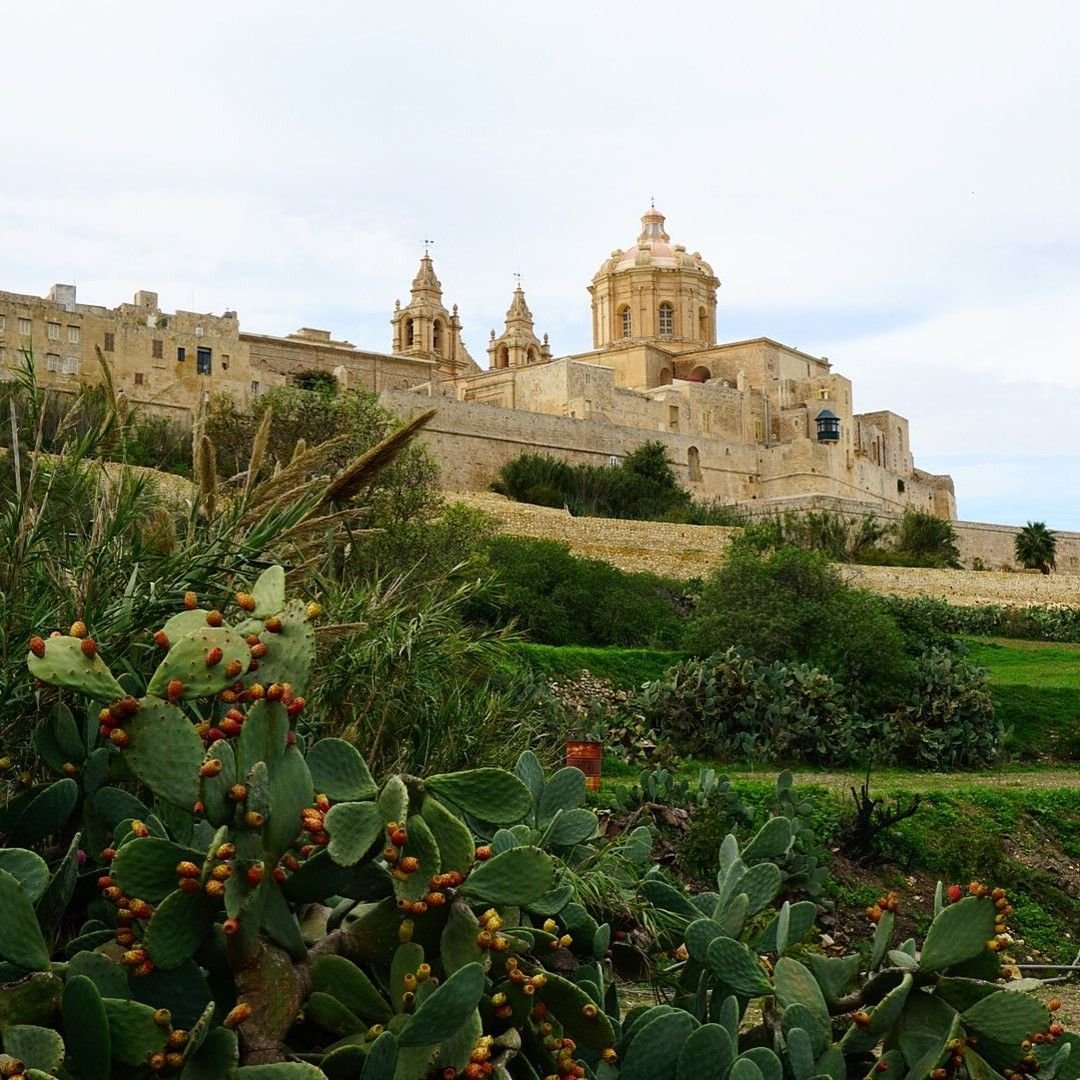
(689, 551)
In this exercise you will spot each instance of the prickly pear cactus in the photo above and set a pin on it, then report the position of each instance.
(256, 905)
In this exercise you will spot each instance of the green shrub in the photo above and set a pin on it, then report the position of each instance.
(948, 720)
(561, 599)
(791, 605)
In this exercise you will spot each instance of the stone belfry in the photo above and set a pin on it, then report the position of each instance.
(518, 344)
(425, 329)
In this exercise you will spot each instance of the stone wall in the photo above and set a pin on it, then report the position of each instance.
(689, 551)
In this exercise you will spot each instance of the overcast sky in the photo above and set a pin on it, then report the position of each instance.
(893, 185)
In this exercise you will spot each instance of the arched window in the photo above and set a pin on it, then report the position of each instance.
(532, 356)
(437, 336)
(703, 324)
(627, 321)
(667, 320)
(665, 376)
(502, 357)
(700, 374)
(408, 331)
(693, 463)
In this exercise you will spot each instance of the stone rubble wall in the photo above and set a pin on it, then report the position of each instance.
(689, 551)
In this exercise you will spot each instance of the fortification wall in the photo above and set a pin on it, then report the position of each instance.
(688, 551)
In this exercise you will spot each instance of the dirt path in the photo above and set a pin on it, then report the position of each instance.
(885, 781)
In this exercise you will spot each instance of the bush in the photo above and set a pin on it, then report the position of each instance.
(733, 707)
(941, 619)
(642, 486)
(561, 599)
(926, 537)
(948, 720)
(792, 606)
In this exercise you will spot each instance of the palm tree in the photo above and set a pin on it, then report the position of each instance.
(1036, 547)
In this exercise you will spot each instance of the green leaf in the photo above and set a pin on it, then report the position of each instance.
(27, 867)
(64, 664)
(46, 813)
(492, 795)
(165, 752)
(21, 942)
(87, 1028)
(516, 877)
(446, 1010)
(339, 772)
(36, 1047)
(353, 827)
(456, 845)
(959, 933)
(178, 926)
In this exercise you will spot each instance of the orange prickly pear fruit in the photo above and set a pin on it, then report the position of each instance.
(174, 690)
(161, 639)
(237, 1015)
(37, 646)
(210, 768)
(245, 601)
(89, 648)
(191, 601)
(274, 625)
(233, 668)
(78, 629)
(119, 737)
(213, 618)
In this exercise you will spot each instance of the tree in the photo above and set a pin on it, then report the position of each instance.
(928, 539)
(1036, 547)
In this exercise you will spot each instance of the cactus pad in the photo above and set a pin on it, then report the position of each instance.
(737, 967)
(492, 795)
(21, 942)
(178, 927)
(446, 1010)
(339, 772)
(165, 752)
(87, 1028)
(64, 664)
(147, 867)
(186, 661)
(344, 980)
(959, 933)
(46, 812)
(135, 1034)
(516, 877)
(456, 846)
(353, 827)
(268, 592)
(291, 652)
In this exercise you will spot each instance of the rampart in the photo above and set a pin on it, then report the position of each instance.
(689, 551)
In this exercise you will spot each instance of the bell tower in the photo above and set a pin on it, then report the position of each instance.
(518, 344)
(425, 329)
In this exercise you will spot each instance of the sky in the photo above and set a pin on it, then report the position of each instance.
(892, 185)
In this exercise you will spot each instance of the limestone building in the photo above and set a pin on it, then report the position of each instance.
(750, 422)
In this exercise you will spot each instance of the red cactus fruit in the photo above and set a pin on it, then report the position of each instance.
(483, 853)
(210, 767)
(161, 639)
(254, 874)
(214, 888)
(89, 648)
(258, 650)
(274, 692)
(230, 926)
(237, 1015)
(954, 893)
(295, 707)
(238, 792)
(174, 690)
(214, 656)
(255, 691)
(274, 625)
(230, 728)
(119, 737)
(233, 668)
(225, 851)
(213, 618)
(37, 646)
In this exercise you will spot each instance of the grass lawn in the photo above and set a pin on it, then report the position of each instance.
(625, 668)
(1036, 690)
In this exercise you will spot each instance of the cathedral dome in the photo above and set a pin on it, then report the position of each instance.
(655, 250)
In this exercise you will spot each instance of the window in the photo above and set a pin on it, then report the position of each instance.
(73, 335)
(673, 417)
(24, 327)
(706, 420)
(667, 320)
(198, 331)
(703, 324)
(408, 331)
(52, 362)
(180, 354)
(139, 379)
(110, 343)
(436, 336)
(224, 361)
(71, 365)
(53, 330)
(627, 322)
(693, 463)
(202, 361)
(157, 349)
